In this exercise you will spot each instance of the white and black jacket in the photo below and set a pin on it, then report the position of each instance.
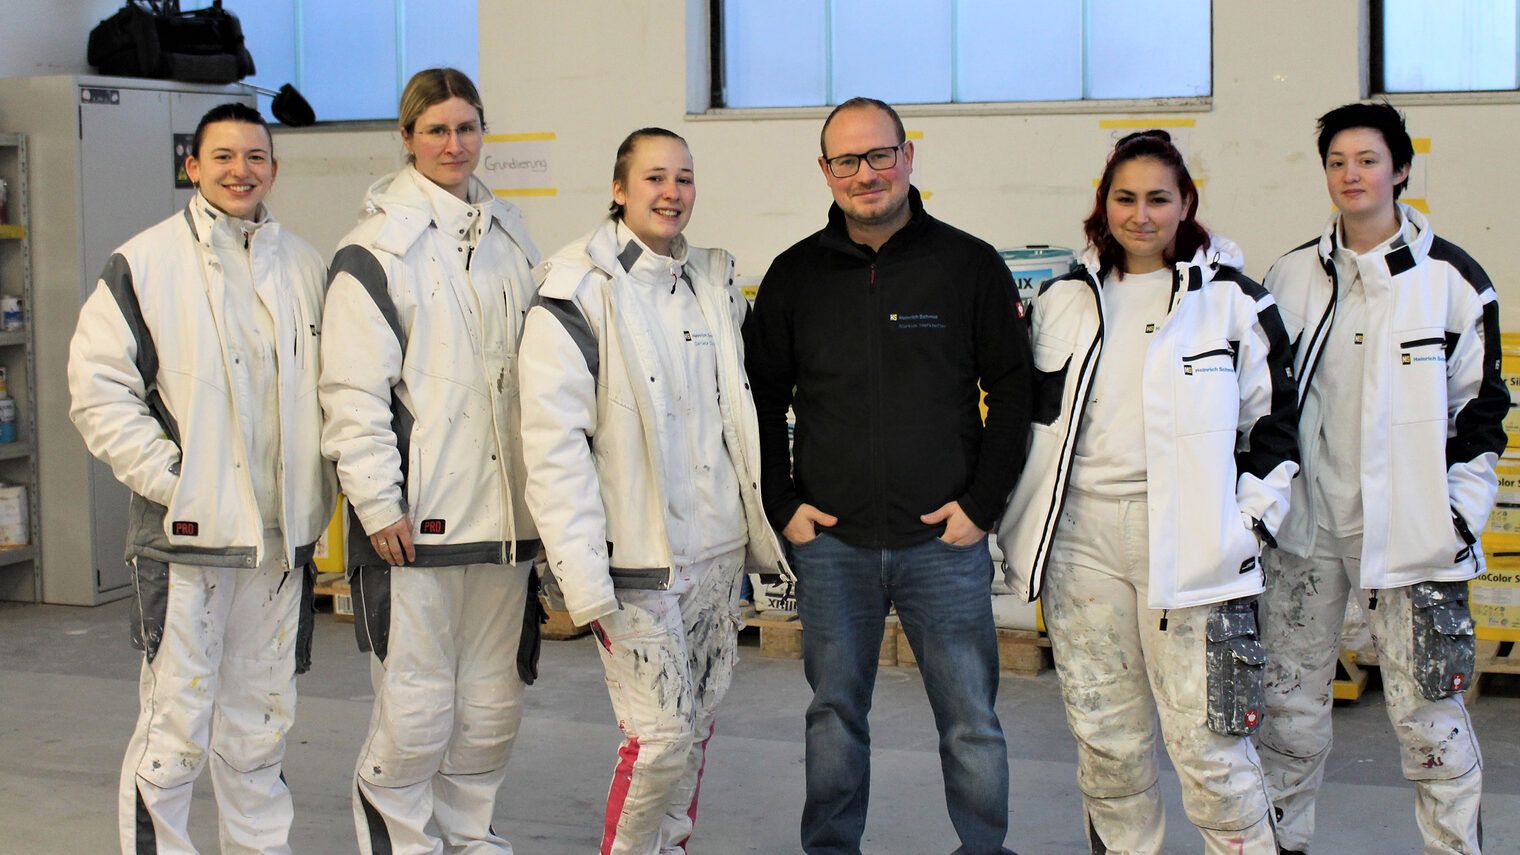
(1433, 400)
(418, 386)
(153, 392)
(594, 405)
(1219, 417)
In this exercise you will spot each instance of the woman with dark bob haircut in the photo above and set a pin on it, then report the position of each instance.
(1159, 467)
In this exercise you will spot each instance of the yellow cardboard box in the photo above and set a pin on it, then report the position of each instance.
(1495, 596)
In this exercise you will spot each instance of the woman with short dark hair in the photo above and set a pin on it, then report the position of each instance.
(1401, 427)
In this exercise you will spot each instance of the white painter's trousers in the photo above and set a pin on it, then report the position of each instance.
(221, 690)
(448, 702)
(1119, 669)
(1304, 611)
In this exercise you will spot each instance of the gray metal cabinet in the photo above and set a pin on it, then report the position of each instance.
(103, 169)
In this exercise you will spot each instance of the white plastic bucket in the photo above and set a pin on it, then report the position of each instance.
(1033, 264)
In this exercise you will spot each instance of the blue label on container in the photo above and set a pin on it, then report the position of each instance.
(1029, 280)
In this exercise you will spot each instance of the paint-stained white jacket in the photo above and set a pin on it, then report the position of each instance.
(417, 381)
(593, 408)
(1433, 401)
(1219, 414)
(152, 391)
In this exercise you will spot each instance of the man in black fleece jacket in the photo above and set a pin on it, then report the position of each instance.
(877, 330)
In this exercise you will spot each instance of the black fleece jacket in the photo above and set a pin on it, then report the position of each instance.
(880, 355)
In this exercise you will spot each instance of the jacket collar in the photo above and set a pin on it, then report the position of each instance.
(604, 248)
(1187, 275)
(208, 224)
(410, 209)
(1407, 248)
(836, 234)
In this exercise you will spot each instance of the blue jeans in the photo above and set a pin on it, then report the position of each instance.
(944, 601)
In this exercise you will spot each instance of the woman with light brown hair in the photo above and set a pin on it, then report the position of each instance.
(423, 314)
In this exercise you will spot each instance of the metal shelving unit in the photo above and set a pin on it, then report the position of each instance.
(20, 566)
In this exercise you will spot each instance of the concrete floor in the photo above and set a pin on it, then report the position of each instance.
(68, 700)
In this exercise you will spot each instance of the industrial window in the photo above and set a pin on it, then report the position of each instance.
(1451, 46)
(350, 58)
(793, 53)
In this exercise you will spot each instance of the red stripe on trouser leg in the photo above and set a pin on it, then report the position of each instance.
(617, 794)
(696, 790)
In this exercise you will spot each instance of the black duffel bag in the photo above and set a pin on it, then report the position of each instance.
(153, 38)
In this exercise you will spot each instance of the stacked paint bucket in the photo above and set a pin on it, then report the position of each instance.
(1035, 263)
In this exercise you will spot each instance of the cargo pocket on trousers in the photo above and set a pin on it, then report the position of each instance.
(1444, 643)
(1236, 669)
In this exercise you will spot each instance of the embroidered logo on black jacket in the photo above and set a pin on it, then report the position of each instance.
(432, 526)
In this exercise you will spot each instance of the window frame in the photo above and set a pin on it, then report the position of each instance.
(1374, 85)
(297, 37)
(704, 76)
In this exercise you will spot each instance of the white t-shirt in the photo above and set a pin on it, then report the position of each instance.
(1110, 455)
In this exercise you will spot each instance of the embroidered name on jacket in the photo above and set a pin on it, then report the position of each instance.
(916, 322)
(186, 528)
(432, 526)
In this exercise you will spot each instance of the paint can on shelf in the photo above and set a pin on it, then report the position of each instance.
(15, 529)
(7, 420)
(12, 314)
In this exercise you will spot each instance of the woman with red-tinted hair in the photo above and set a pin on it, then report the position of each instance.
(1162, 450)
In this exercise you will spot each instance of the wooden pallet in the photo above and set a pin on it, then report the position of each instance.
(780, 634)
(1350, 677)
(1494, 657)
(336, 586)
(1019, 651)
(560, 627)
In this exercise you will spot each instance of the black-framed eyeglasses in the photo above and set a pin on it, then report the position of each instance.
(879, 159)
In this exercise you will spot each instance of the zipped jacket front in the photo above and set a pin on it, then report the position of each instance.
(418, 383)
(153, 393)
(594, 424)
(1219, 415)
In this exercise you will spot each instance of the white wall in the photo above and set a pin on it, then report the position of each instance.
(592, 71)
(48, 37)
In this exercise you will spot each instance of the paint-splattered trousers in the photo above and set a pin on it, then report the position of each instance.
(669, 657)
(1303, 612)
(448, 702)
(219, 691)
(1121, 664)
